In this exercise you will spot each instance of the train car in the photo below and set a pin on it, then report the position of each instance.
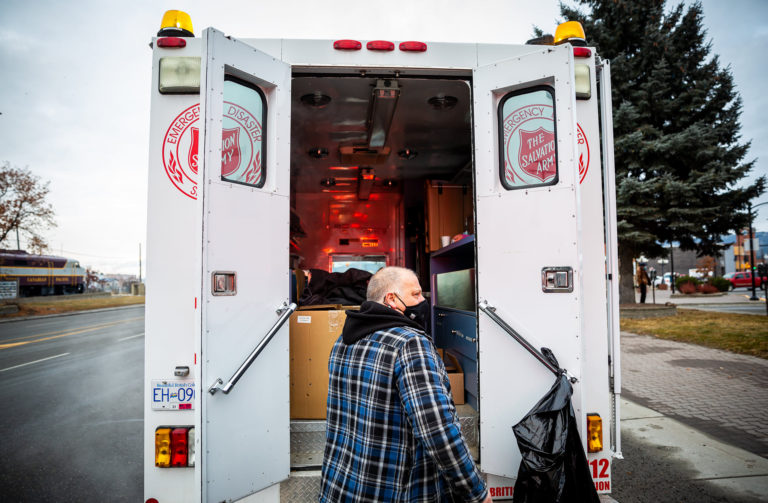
(41, 274)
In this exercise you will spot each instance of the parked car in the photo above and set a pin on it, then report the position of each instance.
(666, 279)
(742, 279)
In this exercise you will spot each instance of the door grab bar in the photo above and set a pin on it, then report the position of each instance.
(285, 312)
(491, 312)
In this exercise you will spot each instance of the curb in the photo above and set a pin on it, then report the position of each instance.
(70, 313)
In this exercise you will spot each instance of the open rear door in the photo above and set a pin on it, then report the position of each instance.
(243, 207)
(528, 250)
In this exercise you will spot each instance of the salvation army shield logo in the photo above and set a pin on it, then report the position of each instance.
(536, 155)
(193, 149)
(230, 151)
(241, 146)
(180, 146)
(529, 145)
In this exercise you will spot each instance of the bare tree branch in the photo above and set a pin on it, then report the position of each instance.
(23, 206)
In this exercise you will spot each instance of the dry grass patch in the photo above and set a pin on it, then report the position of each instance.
(65, 306)
(740, 333)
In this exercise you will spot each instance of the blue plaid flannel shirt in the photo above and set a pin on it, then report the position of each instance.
(392, 432)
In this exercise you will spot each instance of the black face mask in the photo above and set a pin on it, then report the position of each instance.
(420, 313)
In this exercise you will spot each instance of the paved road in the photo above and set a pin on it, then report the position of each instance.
(71, 394)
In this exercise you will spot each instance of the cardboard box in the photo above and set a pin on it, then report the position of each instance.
(455, 375)
(312, 336)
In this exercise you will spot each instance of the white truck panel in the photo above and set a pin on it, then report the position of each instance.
(598, 396)
(245, 433)
(170, 299)
(509, 262)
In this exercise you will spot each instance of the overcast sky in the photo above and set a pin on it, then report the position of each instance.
(75, 80)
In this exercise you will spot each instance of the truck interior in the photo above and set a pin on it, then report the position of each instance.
(381, 174)
(365, 154)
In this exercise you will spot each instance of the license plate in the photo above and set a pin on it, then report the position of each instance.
(173, 395)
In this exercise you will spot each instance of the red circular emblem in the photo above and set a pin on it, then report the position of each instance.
(583, 145)
(240, 159)
(180, 151)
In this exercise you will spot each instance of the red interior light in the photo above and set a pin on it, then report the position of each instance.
(347, 45)
(179, 447)
(368, 177)
(582, 52)
(380, 45)
(171, 42)
(413, 46)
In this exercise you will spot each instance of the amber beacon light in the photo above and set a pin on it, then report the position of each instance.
(570, 32)
(176, 23)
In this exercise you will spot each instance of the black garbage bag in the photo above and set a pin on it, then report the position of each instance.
(554, 468)
(347, 288)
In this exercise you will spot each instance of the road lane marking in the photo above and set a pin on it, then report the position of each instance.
(36, 361)
(55, 335)
(131, 337)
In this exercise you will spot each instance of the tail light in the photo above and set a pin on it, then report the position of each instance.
(163, 447)
(582, 52)
(179, 447)
(594, 433)
(171, 42)
(380, 45)
(347, 45)
(174, 446)
(413, 46)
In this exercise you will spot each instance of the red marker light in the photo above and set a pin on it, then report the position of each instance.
(413, 46)
(347, 45)
(380, 45)
(179, 447)
(171, 42)
(582, 52)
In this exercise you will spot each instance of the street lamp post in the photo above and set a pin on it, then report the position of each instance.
(672, 266)
(752, 250)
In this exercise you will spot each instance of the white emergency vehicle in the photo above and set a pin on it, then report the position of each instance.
(273, 155)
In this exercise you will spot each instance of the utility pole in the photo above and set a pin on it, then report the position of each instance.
(752, 270)
(18, 246)
(139, 263)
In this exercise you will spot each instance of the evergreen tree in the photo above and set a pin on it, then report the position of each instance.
(676, 129)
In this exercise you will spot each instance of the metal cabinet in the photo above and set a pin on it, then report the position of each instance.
(452, 271)
(456, 331)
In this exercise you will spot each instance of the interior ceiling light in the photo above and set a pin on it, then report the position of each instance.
(365, 180)
(385, 96)
(389, 183)
(442, 102)
(328, 182)
(316, 100)
(318, 152)
(407, 153)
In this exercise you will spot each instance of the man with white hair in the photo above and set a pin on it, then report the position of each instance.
(392, 431)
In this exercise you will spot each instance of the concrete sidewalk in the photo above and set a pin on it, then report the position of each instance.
(710, 403)
(720, 393)
(712, 470)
